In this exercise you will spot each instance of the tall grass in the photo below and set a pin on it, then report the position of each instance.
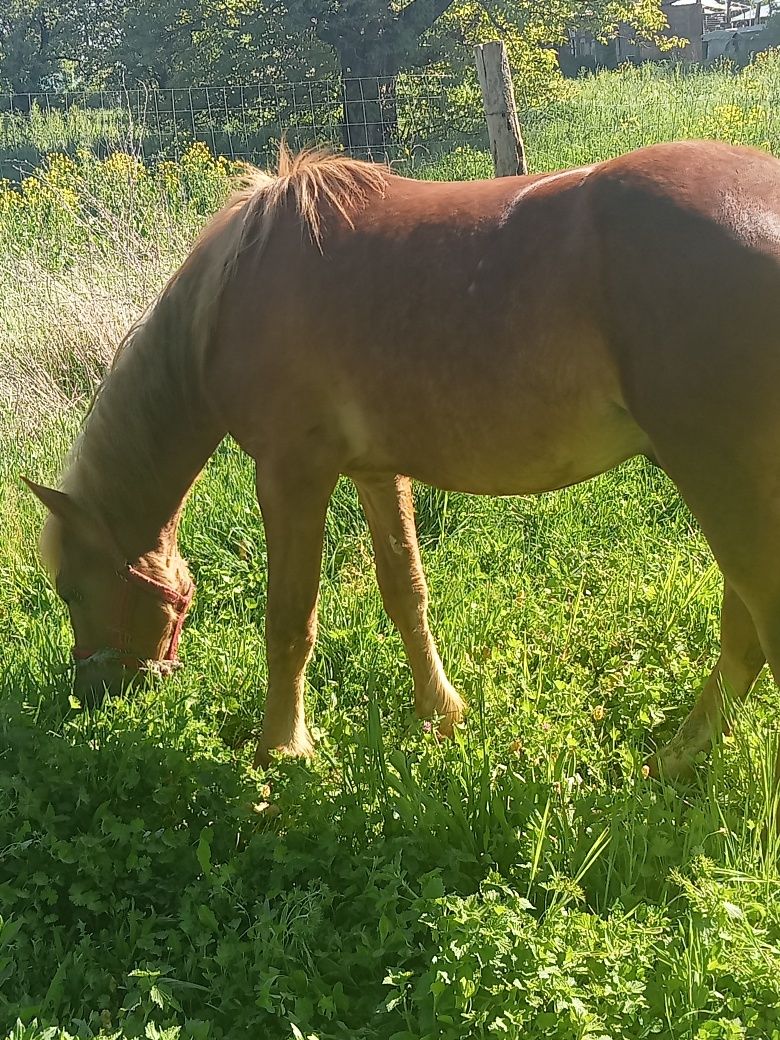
(84, 247)
(611, 113)
(584, 120)
(523, 880)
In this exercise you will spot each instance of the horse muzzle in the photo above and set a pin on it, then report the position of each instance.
(111, 673)
(102, 674)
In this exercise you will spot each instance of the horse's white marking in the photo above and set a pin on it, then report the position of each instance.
(473, 284)
(354, 427)
(582, 174)
(753, 224)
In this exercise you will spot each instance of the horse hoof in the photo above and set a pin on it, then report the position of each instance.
(669, 766)
(447, 706)
(448, 722)
(300, 746)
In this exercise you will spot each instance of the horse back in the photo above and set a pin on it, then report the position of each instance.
(547, 324)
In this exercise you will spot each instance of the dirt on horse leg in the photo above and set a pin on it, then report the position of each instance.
(389, 508)
(294, 507)
(741, 659)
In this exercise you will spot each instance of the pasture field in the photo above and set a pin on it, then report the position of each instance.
(591, 118)
(523, 881)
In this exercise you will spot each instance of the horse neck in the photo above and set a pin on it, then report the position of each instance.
(147, 438)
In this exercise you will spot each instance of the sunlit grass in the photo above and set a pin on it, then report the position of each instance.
(523, 880)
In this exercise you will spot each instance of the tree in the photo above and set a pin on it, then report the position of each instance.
(49, 43)
(375, 39)
(30, 34)
(56, 44)
(186, 42)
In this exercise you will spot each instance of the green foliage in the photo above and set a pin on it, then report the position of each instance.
(521, 881)
(207, 41)
(46, 44)
(532, 31)
(33, 34)
(605, 115)
(56, 44)
(770, 37)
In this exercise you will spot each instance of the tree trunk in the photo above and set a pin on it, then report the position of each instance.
(371, 54)
(369, 109)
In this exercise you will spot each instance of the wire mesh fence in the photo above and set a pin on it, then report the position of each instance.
(407, 120)
(424, 124)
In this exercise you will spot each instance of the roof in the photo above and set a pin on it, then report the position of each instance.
(750, 14)
(713, 6)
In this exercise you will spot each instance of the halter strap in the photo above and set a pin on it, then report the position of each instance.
(180, 601)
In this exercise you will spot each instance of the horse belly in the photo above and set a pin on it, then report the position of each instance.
(495, 443)
(565, 458)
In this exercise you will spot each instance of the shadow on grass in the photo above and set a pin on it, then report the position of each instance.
(146, 876)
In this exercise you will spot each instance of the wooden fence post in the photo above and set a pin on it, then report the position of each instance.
(498, 97)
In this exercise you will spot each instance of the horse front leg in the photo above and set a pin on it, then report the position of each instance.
(293, 503)
(389, 508)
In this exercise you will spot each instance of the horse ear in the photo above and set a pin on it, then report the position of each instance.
(89, 529)
(57, 502)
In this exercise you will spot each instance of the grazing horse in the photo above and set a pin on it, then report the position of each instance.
(499, 337)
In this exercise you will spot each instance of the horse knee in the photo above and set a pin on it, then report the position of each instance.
(290, 644)
(406, 607)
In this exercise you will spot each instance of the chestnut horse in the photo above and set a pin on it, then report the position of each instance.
(500, 337)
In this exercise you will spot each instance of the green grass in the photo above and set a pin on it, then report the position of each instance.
(521, 881)
(611, 113)
(441, 126)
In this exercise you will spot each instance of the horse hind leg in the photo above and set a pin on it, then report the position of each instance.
(740, 662)
(294, 503)
(389, 508)
(728, 481)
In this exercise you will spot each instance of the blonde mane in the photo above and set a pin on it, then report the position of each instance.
(316, 178)
(162, 353)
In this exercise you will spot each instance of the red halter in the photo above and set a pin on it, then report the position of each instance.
(180, 601)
